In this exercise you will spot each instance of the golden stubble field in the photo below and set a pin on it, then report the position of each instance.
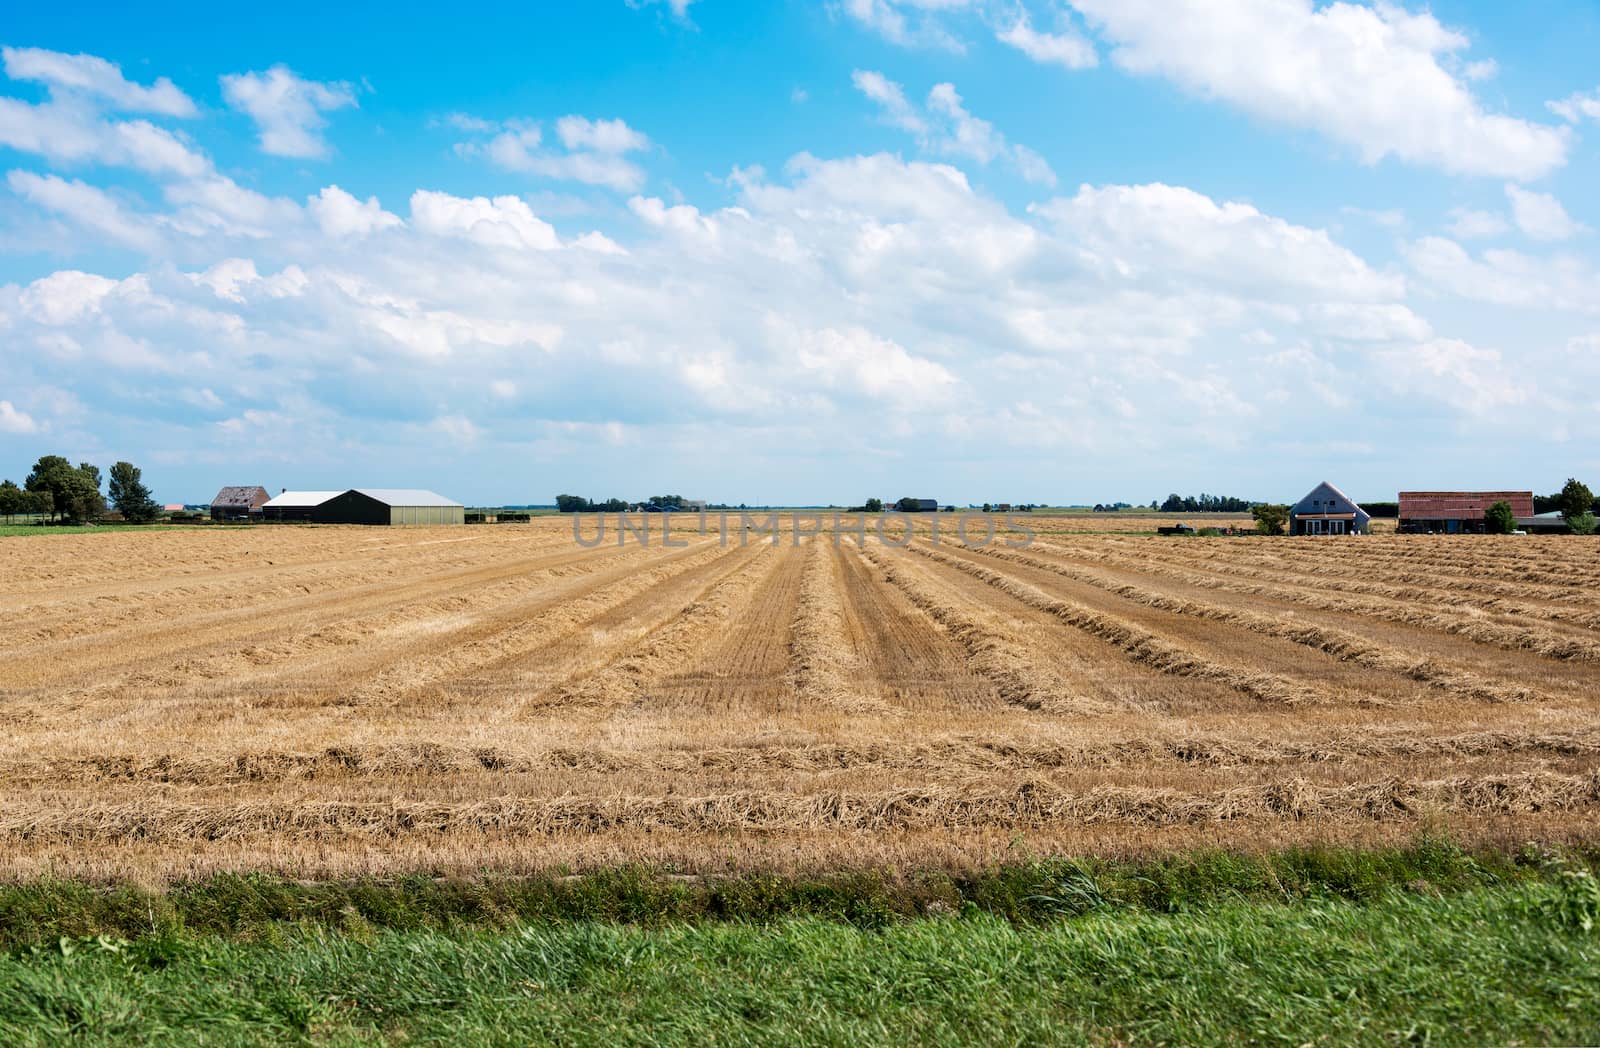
(339, 701)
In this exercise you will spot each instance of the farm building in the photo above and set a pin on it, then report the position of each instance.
(389, 506)
(296, 505)
(1328, 511)
(910, 505)
(1457, 512)
(238, 503)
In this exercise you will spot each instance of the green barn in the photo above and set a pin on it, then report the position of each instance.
(398, 506)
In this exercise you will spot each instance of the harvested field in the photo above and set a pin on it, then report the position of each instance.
(338, 701)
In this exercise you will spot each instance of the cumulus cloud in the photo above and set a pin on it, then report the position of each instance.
(594, 152)
(287, 110)
(909, 23)
(505, 221)
(341, 215)
(97, 78)
(1291, 62)
(1577, 106)
(1540, 215)
(91, 208)
(1466, 224)
(13, 420)
(1505, 277)
(1066, 49)
(945, 126)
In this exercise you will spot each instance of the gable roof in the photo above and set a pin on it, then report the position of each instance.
(1461, 505)
(246, 496)
(405, 497)
(300, 499)
(1314, 502)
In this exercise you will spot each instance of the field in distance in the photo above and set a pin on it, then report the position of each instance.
(340, 701)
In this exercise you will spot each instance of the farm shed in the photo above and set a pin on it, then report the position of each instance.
(389, 506)
(296, 505)
(1457, 512)
(1326, 510)
(238, 503)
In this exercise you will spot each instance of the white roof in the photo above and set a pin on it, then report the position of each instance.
(301, 498)
(406, 497)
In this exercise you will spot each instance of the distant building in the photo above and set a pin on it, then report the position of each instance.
(1328, 511)
(909, 505)
(238, 503)
(1458, 512)
(296, 505)
(692, 505)
(389, 506)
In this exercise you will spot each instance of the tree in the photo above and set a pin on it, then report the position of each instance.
(1500, 519)
(1576, 499)
(13, 500)
(74, 492)
(1270, 518)
(571, 504)
(874, 506)
(130, 496)
(1582, 524)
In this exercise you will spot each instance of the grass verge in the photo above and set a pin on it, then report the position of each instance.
(253, 905)
(1491, 965)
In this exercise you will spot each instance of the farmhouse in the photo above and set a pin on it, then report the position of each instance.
(1458, 512)
(388, 506)
(296, 505)
(238, 503)
(1328, 511)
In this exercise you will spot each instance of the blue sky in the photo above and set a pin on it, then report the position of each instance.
(805, 252)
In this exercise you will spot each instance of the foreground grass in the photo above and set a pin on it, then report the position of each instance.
(1512, 963)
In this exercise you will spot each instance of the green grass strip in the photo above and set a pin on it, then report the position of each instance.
(1507, 964)
(1024, 892)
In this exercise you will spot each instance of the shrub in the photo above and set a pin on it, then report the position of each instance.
(1500, 519)
(1270, 518)
(1582, 524)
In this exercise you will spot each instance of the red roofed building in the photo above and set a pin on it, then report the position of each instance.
(1457, 512)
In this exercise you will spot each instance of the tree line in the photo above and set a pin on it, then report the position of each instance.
(579, 504)
(1203, 503)
(68, 494)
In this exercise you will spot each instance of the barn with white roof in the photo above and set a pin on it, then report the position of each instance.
(397, 506)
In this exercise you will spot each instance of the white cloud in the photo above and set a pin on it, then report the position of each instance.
(13, 420)
(97, 78)
(1471, 225)
(287, 110)
(89, 207)
(1507, 278)
(1067, 49)
(679, 8)
(601, 136)
(948, 128)
(1369, 77)
(505, 221)
(71, 133)
(340, 214)
(1104, 322)
(909, 23)
(1163, 232)
(1577, 106)
(594, 151)
(891, 98)
(218, 204)
(1541, 215)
